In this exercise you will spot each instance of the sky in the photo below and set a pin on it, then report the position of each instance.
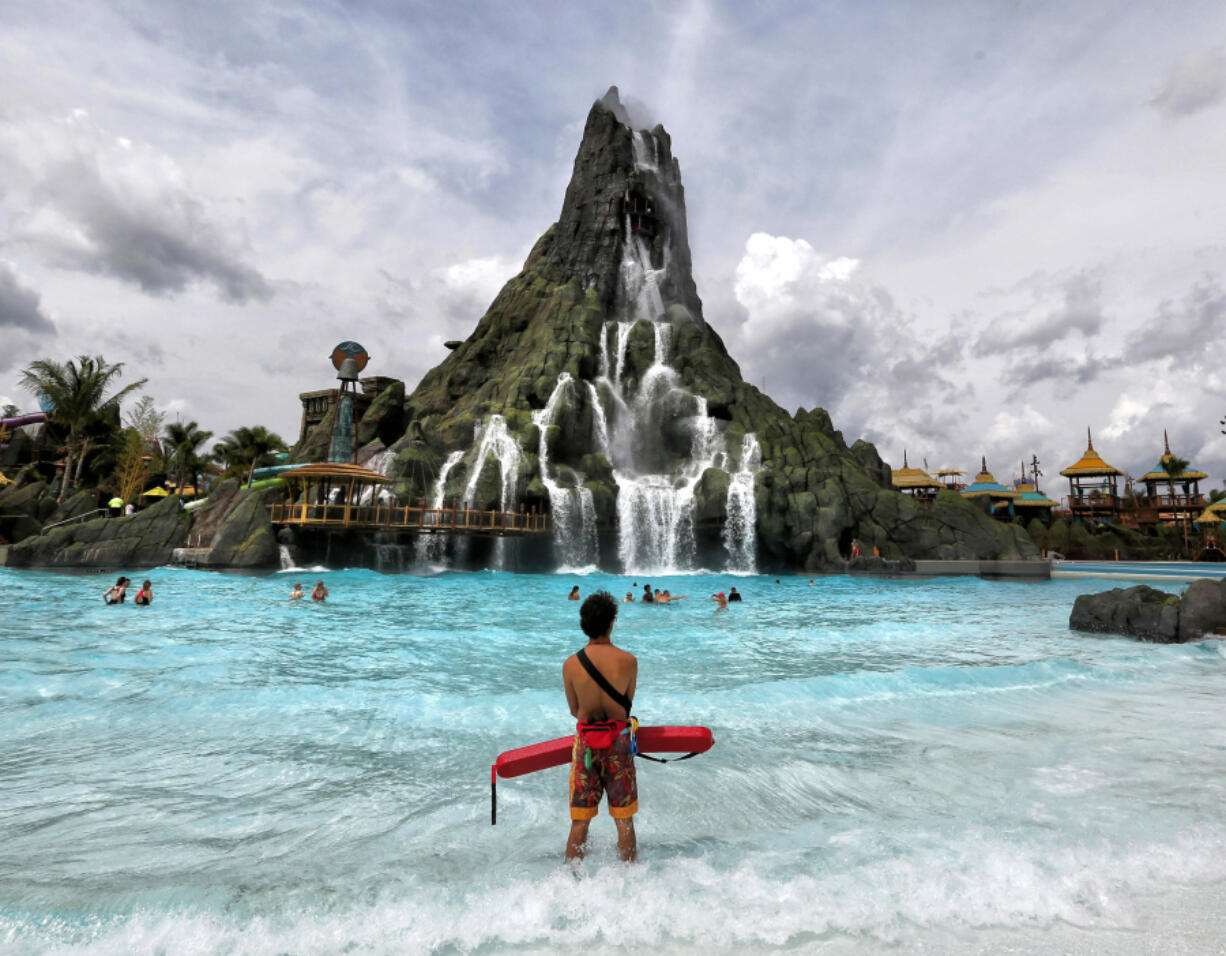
(967, 229)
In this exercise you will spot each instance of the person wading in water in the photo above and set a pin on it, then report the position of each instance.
(600, 683)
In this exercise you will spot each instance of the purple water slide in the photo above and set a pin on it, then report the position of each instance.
(37, 418)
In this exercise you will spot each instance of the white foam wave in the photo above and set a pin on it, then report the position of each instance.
(582, 569)
(980, 882)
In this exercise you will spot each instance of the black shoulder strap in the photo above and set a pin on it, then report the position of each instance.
(614, 694)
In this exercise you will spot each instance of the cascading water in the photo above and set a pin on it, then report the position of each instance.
(379, 463)
(572, 510)
(600, 423)
(498, 443)
(740, 528)
(432, 548)
(656, 491)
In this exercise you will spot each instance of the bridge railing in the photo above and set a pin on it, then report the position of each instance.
(409, 517)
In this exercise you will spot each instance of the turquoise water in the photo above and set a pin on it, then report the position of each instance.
(928, 763)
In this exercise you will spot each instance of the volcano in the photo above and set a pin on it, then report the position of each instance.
(595, 388)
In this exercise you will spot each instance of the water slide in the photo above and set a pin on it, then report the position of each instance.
(8, 424)
(35, 418)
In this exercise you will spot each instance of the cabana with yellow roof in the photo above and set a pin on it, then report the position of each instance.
(985, 485)
(914, 481)
(1182, 499)
(1210, 522)
(1093, 486)
(950, 478)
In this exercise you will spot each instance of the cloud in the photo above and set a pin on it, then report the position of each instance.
(1015, 436)
(86, 200)
(813, 327)
(1032, 372)
(1185, 331)
(820, 335)
(455, 295)
(1195, 83)
(1078, 309)
(21, 307)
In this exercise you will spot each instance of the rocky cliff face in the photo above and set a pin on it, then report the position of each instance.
(145, 539)
(593, 387)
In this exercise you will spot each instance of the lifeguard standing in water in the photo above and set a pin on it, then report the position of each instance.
(600, 683)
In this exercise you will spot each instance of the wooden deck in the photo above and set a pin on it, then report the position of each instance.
(409, 519)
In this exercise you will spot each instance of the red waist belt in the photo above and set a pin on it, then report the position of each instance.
(600, 734)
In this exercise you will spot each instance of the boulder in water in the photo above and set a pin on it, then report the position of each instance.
(1154, 615)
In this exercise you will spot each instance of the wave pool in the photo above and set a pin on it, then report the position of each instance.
(936, 765)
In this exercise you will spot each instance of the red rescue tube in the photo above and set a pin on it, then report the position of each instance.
(555, 753)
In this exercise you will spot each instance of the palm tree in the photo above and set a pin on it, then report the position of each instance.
(1174, 467)
(76, 393)
(251, 447)
(184, 442)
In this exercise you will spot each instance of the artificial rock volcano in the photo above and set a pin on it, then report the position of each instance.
(593, 387)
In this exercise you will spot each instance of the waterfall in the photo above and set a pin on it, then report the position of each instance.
(574, 528)
(498, 443)
(379, 463)
(640, 282)
(287, 560)
(644, 154)
(432, 548)
(623, 337)
(740, 529)
(655, 503)
(600, 423)
(655, 512)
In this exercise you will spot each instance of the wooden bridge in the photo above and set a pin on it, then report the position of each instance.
(409, 519)
(339, 496)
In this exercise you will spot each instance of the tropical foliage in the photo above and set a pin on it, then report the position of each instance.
(131, 466)
(249, 448)
(76, 393)
(183, 451)
(146, 418)
(1174, 467)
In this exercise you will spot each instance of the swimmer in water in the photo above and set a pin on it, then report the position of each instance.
(666, 597)
(733, 595)
(629, 598)
(145, 595)
(115, 593)
(721, 601)
(296, 593)
(320, 593)
(574, 594)
(647, 598)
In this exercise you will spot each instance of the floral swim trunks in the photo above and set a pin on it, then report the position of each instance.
(612, 771)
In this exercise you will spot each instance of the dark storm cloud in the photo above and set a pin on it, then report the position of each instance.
(1188, 331)
(1196, 82)
(21, 308)
(89, 201)
(160, 247)
(1080, 310)
(1030, 372)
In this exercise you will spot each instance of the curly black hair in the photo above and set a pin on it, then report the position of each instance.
(597, 613)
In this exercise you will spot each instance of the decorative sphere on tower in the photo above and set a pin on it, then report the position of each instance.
(349, 358)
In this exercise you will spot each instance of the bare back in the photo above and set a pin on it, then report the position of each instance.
(587, 701)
